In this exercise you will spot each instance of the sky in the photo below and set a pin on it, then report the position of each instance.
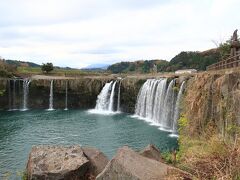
(78, 33)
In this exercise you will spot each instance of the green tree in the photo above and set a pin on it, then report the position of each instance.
(47, 67)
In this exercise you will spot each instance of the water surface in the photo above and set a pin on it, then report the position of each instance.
(19, 131)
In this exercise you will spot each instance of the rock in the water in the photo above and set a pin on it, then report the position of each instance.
(129, 165)
(151, 152)
(57, 162)
(97, 159)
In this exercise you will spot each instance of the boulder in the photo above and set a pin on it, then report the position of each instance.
(57, 162)
(151, 152)
(97, 159)
(129, 165)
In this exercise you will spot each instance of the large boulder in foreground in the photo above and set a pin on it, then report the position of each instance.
(151, 152)
(97, 159)
(57, 162)
(129, 165)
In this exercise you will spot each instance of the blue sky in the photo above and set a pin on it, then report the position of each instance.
(78, 33)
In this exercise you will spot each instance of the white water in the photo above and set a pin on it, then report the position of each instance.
(176, 111)
(157, 104)
(169, 105)
(66, 97)
(105, 100)
(14, 95)
(26, 83)
(119, 96)
(51, 97)
(9, 96)
(111, 100)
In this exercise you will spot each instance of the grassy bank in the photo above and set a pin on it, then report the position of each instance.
(27, 71)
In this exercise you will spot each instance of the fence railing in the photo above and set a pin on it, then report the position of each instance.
(230, 62)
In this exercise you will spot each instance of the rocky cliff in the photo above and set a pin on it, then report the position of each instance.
(212, 100)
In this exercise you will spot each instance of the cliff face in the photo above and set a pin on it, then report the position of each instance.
(82, 93)
(212, 101)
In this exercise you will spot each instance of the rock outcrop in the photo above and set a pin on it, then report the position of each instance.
(97, 159)
(129, 165)
(57, 162)
(151, 152)
(212, 100)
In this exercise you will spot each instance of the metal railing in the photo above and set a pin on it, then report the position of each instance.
(230, 62)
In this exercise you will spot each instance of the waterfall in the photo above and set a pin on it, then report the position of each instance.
(9, 96)
(66, 96)
(119, 96)
(149, 100)
(156, 103)
(51, 97)
(14, 95)
(26, 83)
(159, 100)
(105, 100)
(176, 110)
(169, 104)
(111, 100)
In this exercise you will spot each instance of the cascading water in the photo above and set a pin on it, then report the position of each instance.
(105, 100)
(26, 83)
(51, 97)
(66, 96)
(150, 100)
(14, 95)
(176, 111)
(156, 103)
(111, 100)
(119, 96)
(9, 96)
(169, 104)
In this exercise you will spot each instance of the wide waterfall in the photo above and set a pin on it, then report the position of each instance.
(51, 97)
(26, 83)
(66, 96)
(156, 103)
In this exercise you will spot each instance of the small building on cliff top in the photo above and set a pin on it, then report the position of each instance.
(186, 71)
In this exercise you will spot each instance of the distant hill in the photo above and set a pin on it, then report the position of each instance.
(184, 60)
(21, 63)
(96, 67)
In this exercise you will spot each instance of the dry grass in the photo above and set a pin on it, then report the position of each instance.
(210, 158)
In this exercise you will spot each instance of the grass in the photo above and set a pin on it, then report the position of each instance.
(59, 72)
(208, 156)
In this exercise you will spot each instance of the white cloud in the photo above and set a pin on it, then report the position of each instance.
(78, 33)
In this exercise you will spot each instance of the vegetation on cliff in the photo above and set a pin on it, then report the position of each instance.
(184, 60)
(142, 66)
(6, 70)
(209, 131)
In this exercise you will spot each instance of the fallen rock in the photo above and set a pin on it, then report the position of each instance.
(152, 152)
(129, 165)
(97, 159)
(57, 162)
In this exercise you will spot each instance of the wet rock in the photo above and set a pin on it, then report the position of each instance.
(129, 165)
(97, 159)
(57, 162)
(151, 152)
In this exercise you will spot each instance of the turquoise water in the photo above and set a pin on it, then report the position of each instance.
(19, 131)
